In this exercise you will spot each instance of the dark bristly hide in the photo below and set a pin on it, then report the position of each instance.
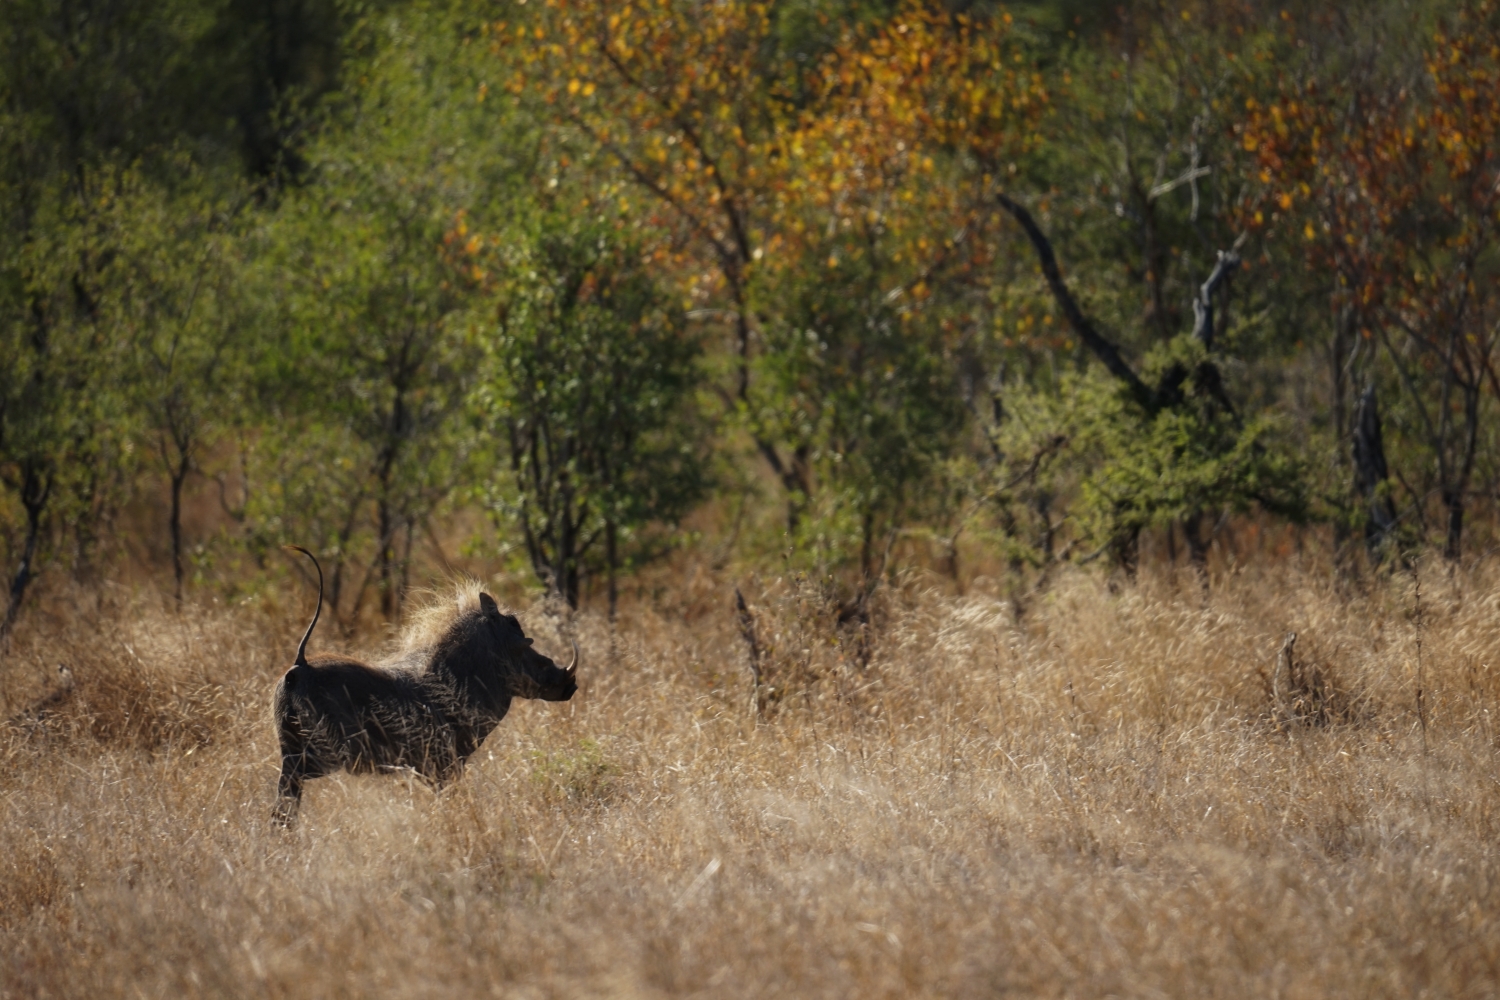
(426, 714)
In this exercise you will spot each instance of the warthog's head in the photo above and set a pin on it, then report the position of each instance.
(527, 673)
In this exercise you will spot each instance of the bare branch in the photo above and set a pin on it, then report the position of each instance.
(1103, 349)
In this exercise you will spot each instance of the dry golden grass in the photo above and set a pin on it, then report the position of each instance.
(1101, 800)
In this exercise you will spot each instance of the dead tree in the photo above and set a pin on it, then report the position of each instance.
(752, 643)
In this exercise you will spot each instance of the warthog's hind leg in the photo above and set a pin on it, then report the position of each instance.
(288, 796)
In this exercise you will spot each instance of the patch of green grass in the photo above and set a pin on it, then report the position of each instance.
(580, 775)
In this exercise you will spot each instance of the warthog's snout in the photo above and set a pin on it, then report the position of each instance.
(549, 682)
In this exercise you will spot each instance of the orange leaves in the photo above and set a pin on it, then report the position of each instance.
(760, 162)
(950, 81)
(897, 100)
(1397, 181)
(662, 70)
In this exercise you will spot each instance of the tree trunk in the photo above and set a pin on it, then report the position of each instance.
(611, 555)
(1454, 497)
(1370, 475)
(564, 578)
(1338, 358)
(1197, 542)
(336, 578)
(36, 488)
(1101, 347)
(404, 579)
(866, 550)
(1453, 503)
(178, 477)
(572, 581)
(383, 559)
(795, 479)
(389, 518)
(1155, 257)
(1125, 548)
(747, 630)
(1203, 304)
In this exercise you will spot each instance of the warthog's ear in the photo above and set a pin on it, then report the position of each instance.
(487, 605)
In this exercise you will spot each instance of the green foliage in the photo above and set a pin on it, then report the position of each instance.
(175, 297)
(376, 354)
(65, 431)
(581, 775)
(1131, 471)
(352, 260)
(137, 79)
(83, 82)
(588, 400)
(120, 280)
(860, 395)
(1146, 185)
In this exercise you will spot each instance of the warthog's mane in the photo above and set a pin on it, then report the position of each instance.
(434, 613)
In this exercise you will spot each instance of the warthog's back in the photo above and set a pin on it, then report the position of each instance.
(341, 713)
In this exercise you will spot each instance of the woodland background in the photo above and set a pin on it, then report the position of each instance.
(561, 289)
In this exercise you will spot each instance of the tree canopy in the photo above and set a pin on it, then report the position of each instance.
(578, 284)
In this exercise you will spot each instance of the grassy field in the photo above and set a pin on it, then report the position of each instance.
(1124, 793)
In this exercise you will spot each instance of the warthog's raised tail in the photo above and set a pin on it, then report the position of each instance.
(301, 660)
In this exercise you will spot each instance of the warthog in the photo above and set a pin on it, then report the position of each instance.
(427, 713)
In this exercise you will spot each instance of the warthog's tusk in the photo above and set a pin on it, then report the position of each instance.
(574, 665)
